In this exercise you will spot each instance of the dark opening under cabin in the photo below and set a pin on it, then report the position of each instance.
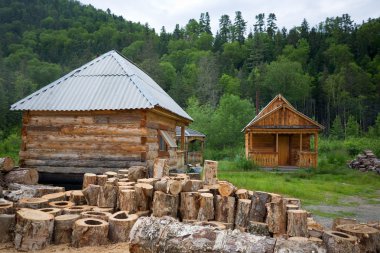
(280, 135)
(106, 115)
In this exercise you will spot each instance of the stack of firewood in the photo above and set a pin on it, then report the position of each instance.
(366, 162)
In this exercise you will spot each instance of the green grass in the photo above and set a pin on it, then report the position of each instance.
(332, 214)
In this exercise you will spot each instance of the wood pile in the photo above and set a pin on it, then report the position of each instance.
(367, 161)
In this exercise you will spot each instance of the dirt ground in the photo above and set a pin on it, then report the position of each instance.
(65, 248)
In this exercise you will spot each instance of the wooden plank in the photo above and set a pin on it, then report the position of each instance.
(91, 155)
(85, 138)
(79, 163)
(86, 146)
(74, 170)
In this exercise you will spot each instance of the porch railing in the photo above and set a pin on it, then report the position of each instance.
(266, 159)
(194, 157)
(307, 159)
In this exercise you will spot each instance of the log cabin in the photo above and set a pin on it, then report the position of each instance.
(194, 145)
(280, 135)
(106, 115)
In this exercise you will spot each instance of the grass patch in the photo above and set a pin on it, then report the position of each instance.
(333, 214)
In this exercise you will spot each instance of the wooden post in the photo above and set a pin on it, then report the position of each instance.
(316, 149)
(300, 143)
(277, 147)
(246, 145)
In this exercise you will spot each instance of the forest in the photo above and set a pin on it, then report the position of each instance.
(330, 71)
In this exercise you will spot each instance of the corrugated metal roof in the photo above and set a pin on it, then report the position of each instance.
(189, 132)
(109, 82)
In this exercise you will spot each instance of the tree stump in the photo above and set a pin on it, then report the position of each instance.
(6, 164)
(120, 224)
(7, 227)
(258, 209)
(210, 173)
(297, 223)
(160, 168)
(225, 209)
(206, 207)
(165, 204)
(88, 178)
(95, 215)
(258, 228)
(101, 179)
(77, 197)
(51, 210)
(91, 194)
(89, 232)
(242, 194)
(63, 228)
(6, 207)
(173, 187)
(57, 196)
(291, 207)
(298, 244)
(242, 214)
(137, 172)
(32, 203)
(76, 209)
(192, 185)
(128, 201)
(342, 221)
(339, 242)
(189, 206)
(144, 196)
(107, 196)
(22, 176)
(61, 204)
(34, 229)
(226, 189)
(276, 216)
(368, 237)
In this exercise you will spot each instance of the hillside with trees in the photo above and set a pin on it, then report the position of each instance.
(329, 71)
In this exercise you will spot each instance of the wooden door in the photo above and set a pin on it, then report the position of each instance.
(283, 150)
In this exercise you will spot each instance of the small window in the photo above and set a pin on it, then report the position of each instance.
(162, 144)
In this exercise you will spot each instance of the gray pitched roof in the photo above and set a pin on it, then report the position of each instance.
(109, 82)
(189, 132)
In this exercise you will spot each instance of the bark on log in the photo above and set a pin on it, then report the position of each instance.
(88, 178)
(339, 242)
(6, 207)
(7, 227)
(104, 209)
(22, 176)
(51, 210)
(58, 196)
(189, 206)
(128, 201)
(210, 174)
(107, 196)
(276, 216)
(368, 237)
(120, 224)
(242, 214)
(258, 209)
(95, 215)
(144, 196)
(63, 228)
(192, 185)
(150, 181)
(137, 172)
(342, 221)
(297, 244)
(61, 204)
(165, 204)
(101, 179)
(160, 168)
(89, 232)
(77, 197)
(19, 191)
(242, 194)
(32, 203)
(6, 164)
(215, 224)
(91, 193)
(226, 189)
(258, 228)
(297, 223)
(225, 209)
(34, 229)
(173, 187)
(206, 207)
(150, 234)
(76, 209)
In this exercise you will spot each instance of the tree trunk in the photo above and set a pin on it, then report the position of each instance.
(297, 223)
(34, 230)
(339, 242)
(121, 224)
(58, 196)
(101, 179)
(6, 207)
(206, 207)
(160, 168)
(225, 209)
(91, 193)
(189, 206)
(77, 197)
(144, 194)
(242, 214)
(165, 204)
(6, 164)
(298, 244)
(89, 232)
(276, 216)
(369, 238)
(128, 201)
(258, 210)
(88, 178)
(52, 210)
(137, 172)
(150, 234)
(7, 227)
(210, 172)
(192, 185)
(242, 194)
(107, 196)
(258, 228)
(342, 221)
(226, 189)
(168, 186)
(63, 228)
(22, 176)
(32, 203)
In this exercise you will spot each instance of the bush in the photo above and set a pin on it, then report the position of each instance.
(10, 146)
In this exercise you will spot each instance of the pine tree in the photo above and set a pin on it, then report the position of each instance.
(240, 27)
(271, 25)
(336, 131)
(259, 26)
(352, 127)
(225, 28)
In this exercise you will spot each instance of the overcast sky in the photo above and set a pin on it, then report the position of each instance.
(290, 13)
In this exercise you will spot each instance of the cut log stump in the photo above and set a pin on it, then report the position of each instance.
(89, 232)
(368, 237)
(189, 206)
(128, 201)
(61, 204)
(210, 174)
(226, 189)
(276, 216)
(7, 226)
(258, 209)
(91, 194)
(22, 176)
(76, 209)
(6, 207)
(342, 221)
(206, 207)
(120, 224)
(63, 228)
(51, 210)
(339, 242)
(165, 204)
(160, 168)
(173, 187)
(77, 197)
(32, 203)
(137, 172)
(242, 214)
(58, 196)
(144, 194)
(107, 196)
(6, 164)
(225, 209)
(299, 244)
(192, 185)
(297, 223)
(101, 179)
(88, 178)
(242, 194)
(95, 215)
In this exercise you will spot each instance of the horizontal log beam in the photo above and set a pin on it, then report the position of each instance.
(81, 170)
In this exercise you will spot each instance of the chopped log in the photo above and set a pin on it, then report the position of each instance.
(292, 201)
(104, 209)
(314, 229)
(124, 179)
(6, 207)
(128, 201)
(297, 223)
(77, 197)
(120, 224)
(19, 191)
(242, 214)
(58, 196)
(123, 172)
(150, 234)
(76, 209)
(144, 196)
(291, 207)
(160, 168)
(51, 210)
(225, 209)
(110, 174)
(258, 209)
(6, 164)
(63, 228)
(143, 213)
(137, 172)
(258, 228)
(210, 174)
(7, 227)
(298, 244)
(168, 186)
(204, 191)
(206, 207)
(91, 193)
(150, 181)
(22, 176)
(95, 215)
(189, 205)
(32, 203)
(226, 189)
(89, 232)
(192, 185)
(107, 196)
(34, 229)
(339, 242)
(276, 216)
(101, 179)
(215, 224)
(113, 180)
(342, 221)
(242, 194)
(88, 178)
(165, 204)
(61, 204)
(368, 237)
